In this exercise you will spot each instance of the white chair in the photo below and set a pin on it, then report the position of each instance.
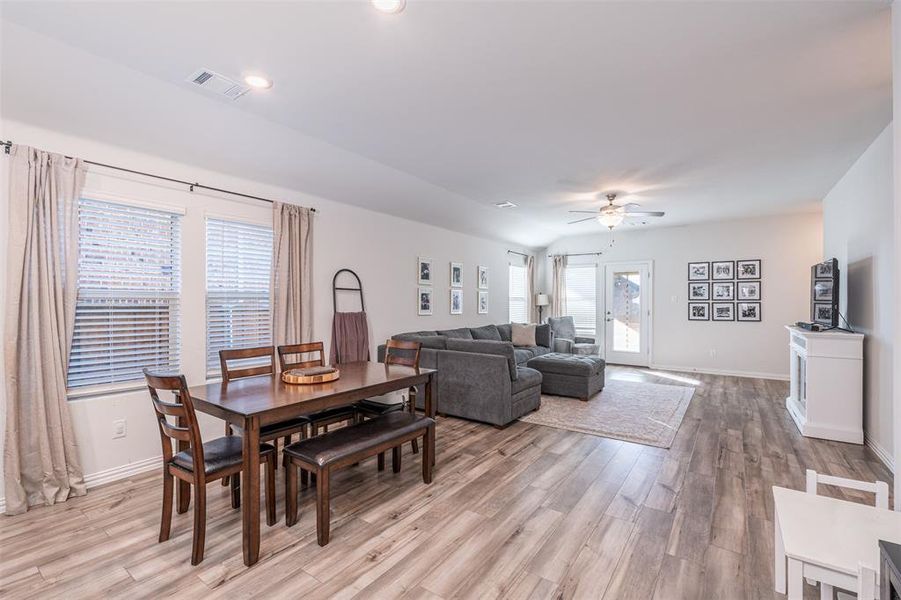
(866, 577)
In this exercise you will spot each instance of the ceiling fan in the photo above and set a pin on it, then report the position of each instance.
(610, 216)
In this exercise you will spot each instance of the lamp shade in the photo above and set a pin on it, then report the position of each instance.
(541, 300)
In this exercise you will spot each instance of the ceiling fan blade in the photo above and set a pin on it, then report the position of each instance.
(581, 220)
(587, 212)
(644, 213)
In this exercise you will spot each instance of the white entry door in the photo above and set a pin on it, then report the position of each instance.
(627, 313)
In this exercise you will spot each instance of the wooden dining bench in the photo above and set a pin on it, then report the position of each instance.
(349, 445)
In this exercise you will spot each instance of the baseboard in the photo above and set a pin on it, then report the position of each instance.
(881, 453)
(99, 478)
(726, 372)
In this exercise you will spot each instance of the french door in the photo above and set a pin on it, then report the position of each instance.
(627, 313)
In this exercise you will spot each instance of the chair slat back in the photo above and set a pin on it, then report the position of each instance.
(229, 374)
(880, 488)
(299, 350)
(400, 352)
(185, 429)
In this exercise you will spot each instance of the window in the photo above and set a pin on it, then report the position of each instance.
(581, 297)
(238, 268)
(129, 280)
(518, 304)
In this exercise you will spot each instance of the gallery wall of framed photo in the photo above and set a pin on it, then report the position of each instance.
(428, 279)
(725, 290)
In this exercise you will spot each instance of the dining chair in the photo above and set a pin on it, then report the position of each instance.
(323, 418)
(219, 458)
(866, 579)
(230, 372)
(397, 352)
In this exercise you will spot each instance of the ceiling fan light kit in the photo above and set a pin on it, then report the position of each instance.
(611, 216)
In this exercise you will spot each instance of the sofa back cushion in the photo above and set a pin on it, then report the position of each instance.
(504, 349)
(506, 332)
(563, 327)
(487, 332)
(435, 342)
(523, 335)
(543, 335)
(461, 333)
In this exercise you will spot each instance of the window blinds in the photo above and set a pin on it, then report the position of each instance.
(238, 267)
(518, 308)
(129, 280)
(581, 297)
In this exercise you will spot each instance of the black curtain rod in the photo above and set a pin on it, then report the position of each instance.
(191, 185)
(519, 253)
(580, 254)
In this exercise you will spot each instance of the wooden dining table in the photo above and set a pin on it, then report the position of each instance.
(257, 401)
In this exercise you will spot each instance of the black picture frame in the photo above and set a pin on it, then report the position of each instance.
(728, 285)
(694, 277)
(706, 311)
(823, 313)
(755, 262)
(700, 284)
(725, 277)
(718, 305)
(758, 312)
(823, 291)
(756, 284)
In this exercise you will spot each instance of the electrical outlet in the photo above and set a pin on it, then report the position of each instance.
(120, 428)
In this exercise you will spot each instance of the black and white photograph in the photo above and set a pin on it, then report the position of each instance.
(749, 311)
(822, 291)
(822, 313)
(698, 291)
(698, 311)
(483, 302)
(749, 290)
(724, 290)
(723, 269)
(483, 277)
(425, 271)
(824, 269)
(456, 302)
(747, 269)
(698, 271)
(723, 311)
(425, 300)
(456, 274)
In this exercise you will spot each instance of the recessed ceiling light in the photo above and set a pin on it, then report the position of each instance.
(258, 82)
(505, 205)
(389, 6)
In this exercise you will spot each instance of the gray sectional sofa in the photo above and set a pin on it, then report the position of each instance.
(481, 376)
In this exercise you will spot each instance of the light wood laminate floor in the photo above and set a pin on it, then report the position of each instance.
(523, 512)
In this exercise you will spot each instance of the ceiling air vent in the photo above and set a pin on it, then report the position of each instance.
(217, 84)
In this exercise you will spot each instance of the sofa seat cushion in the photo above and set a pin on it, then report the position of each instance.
(567, 364)
(218, 454)
(538, 350)
(461, 333)
(487, 332)
(504, 349)
(523, 355)
(525, 379)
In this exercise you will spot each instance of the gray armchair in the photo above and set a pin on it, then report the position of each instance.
(567, 342)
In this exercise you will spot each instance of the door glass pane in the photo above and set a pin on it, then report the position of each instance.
(626, 311)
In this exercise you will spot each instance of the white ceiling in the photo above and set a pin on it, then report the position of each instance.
(707, 110)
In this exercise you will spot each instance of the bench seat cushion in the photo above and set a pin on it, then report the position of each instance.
(333, 446)
(218, 454)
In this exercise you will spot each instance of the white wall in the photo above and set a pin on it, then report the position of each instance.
(382, 249)
(896, 253)
(787, 245)
(858, 230)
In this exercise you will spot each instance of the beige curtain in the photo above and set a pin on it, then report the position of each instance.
(292, 274)
(558, 301)
(530, 289)
(40, 459)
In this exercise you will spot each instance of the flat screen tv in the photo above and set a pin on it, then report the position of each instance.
(824, 287)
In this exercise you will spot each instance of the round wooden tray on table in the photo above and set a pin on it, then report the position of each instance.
(311, 375)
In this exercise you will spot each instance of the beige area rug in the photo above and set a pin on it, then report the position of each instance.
(645, 413)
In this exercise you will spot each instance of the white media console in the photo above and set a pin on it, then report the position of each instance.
(826, 398)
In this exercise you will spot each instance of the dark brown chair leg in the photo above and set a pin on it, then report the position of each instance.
(287, 442)
(381, 461)
(291, 495)
(228, 431)
(270, 489)
(427, 453)
(236, 490)
(199, 523)
(395, 459)
(322, 505)
(184, 498)
(166, 521)
(304, 478)
(415, 444)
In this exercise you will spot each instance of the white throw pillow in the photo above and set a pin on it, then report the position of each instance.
(522, 335)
